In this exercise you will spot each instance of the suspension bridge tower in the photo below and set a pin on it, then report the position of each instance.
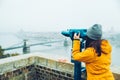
(26, 48)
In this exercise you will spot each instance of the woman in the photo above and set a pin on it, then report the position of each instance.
(96, 56)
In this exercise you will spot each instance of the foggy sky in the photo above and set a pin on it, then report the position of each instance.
(58, 15)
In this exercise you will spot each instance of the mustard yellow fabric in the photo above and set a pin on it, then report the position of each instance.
(98, 68)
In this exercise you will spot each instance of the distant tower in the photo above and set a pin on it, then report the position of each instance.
(65, 42)
(26, 49)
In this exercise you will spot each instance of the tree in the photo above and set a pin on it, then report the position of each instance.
(1, 52)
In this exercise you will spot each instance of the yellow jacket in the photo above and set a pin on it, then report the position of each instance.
(98, 68)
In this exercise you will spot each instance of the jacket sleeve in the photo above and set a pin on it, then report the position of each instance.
(86, 56)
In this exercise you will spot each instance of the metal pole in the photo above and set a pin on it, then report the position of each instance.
(77, 70)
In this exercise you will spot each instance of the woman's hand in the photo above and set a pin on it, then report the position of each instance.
(76, 36)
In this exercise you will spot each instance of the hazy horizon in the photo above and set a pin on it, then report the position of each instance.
(58, 15)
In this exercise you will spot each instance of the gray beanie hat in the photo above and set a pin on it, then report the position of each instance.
(95, 32)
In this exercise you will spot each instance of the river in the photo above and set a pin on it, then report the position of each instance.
(55, 49)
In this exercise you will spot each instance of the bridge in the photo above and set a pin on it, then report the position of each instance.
(26, 48)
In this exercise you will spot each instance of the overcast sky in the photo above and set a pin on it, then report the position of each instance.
(57, 15)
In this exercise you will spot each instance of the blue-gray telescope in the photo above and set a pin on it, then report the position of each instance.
(70, 33)
(77, 65)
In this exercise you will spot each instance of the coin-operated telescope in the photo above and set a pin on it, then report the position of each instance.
(77, 65)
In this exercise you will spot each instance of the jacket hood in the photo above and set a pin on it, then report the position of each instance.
(106, 47)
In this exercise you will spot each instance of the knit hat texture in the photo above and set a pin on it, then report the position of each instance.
(95, 32)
